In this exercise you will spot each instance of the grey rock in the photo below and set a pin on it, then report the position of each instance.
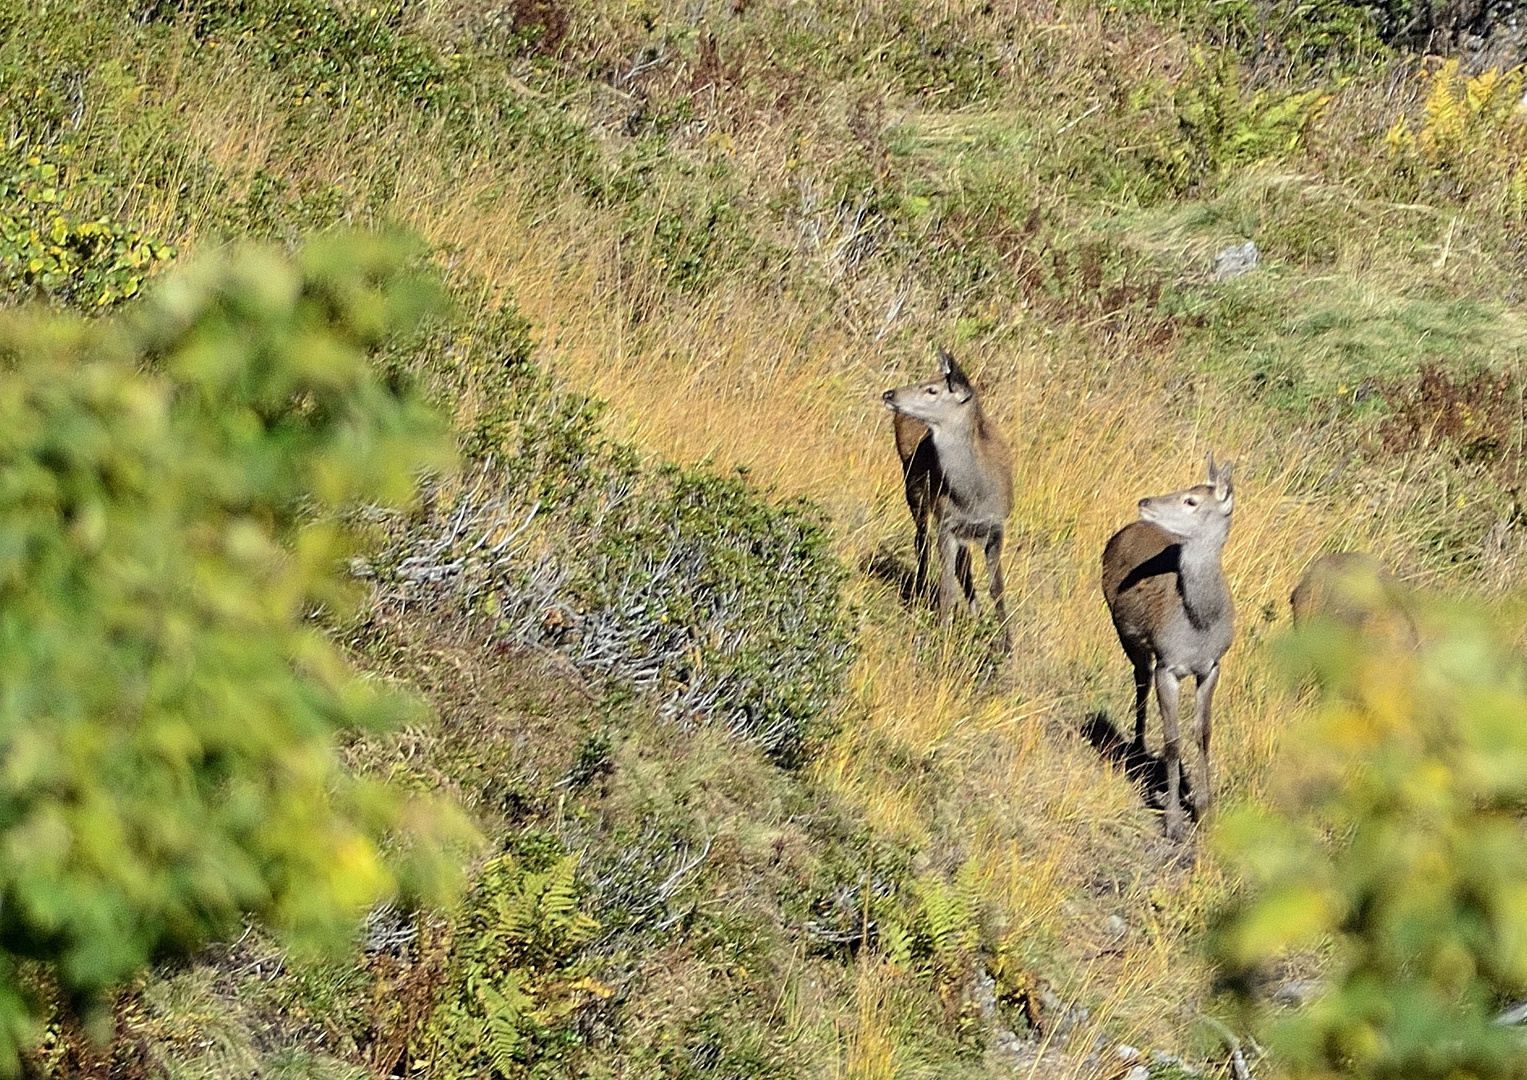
(1296, 991)
(1160, 1060)
(1235, 261)
(1003, 1040)
(1115, 927)
(1139, 1072)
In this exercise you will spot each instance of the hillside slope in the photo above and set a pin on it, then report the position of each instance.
(734, 224)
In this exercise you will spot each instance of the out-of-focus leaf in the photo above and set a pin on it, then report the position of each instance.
(1402, 796)
(173, 484)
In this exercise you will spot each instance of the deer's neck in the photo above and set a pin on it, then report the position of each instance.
(1205, 596)
(959, 459)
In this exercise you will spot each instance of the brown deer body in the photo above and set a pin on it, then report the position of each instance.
(959, 479)
(1172, 609)
(1355, 590)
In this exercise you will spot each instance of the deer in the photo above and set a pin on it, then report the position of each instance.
(1172, 609)
(1357, 592)
(959, 480)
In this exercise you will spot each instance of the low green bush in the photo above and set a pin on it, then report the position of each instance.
(49, 249)
(681, 581)
(515, 975)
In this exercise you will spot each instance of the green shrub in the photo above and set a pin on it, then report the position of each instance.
(679, 581)
(940, 58)
(1470, 143)
(326, 51)
(48, 250)
(1215, 126)
(1396, 850)
(170, 483)
(1304, 35)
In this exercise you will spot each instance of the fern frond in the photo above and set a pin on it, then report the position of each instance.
(504, 1009)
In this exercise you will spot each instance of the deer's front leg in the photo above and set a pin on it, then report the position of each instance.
(967, 582)
(950, 591)
(994, 580)
(1167, 683)
(1204, 697)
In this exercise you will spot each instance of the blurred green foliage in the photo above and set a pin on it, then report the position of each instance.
(1396, 846)
(172, 484)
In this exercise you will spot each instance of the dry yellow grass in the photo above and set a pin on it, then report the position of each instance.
(1059, 837)
(998, 774)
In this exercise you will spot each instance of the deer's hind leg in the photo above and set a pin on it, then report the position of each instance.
(997, 586)
(1203, 698)
(1144, 662)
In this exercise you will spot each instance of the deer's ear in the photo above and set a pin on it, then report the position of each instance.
(954, 374)
(1219, 477)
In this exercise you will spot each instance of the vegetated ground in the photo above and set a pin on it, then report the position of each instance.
(820, 836)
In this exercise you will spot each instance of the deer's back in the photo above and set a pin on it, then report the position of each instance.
(1141, 583)
(997, 460)
(1356, 590)
(1140, 572)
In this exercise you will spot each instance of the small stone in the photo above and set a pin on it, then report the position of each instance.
(1127, 1052)
(1139, 1072)
(1114, 926)
(1164, 1060)
(1235, 261)
(1296, 992)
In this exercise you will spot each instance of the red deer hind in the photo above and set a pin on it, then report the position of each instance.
(959, 477)
(1172, 609)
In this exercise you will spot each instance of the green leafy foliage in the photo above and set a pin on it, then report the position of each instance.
(1216, 126)
(328, 52)
(516, 976)
(939, 925)
(1470, 143)
(47, 249)
(939, 56)
(1396, 848)
(1304, 35)
(171, 483)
